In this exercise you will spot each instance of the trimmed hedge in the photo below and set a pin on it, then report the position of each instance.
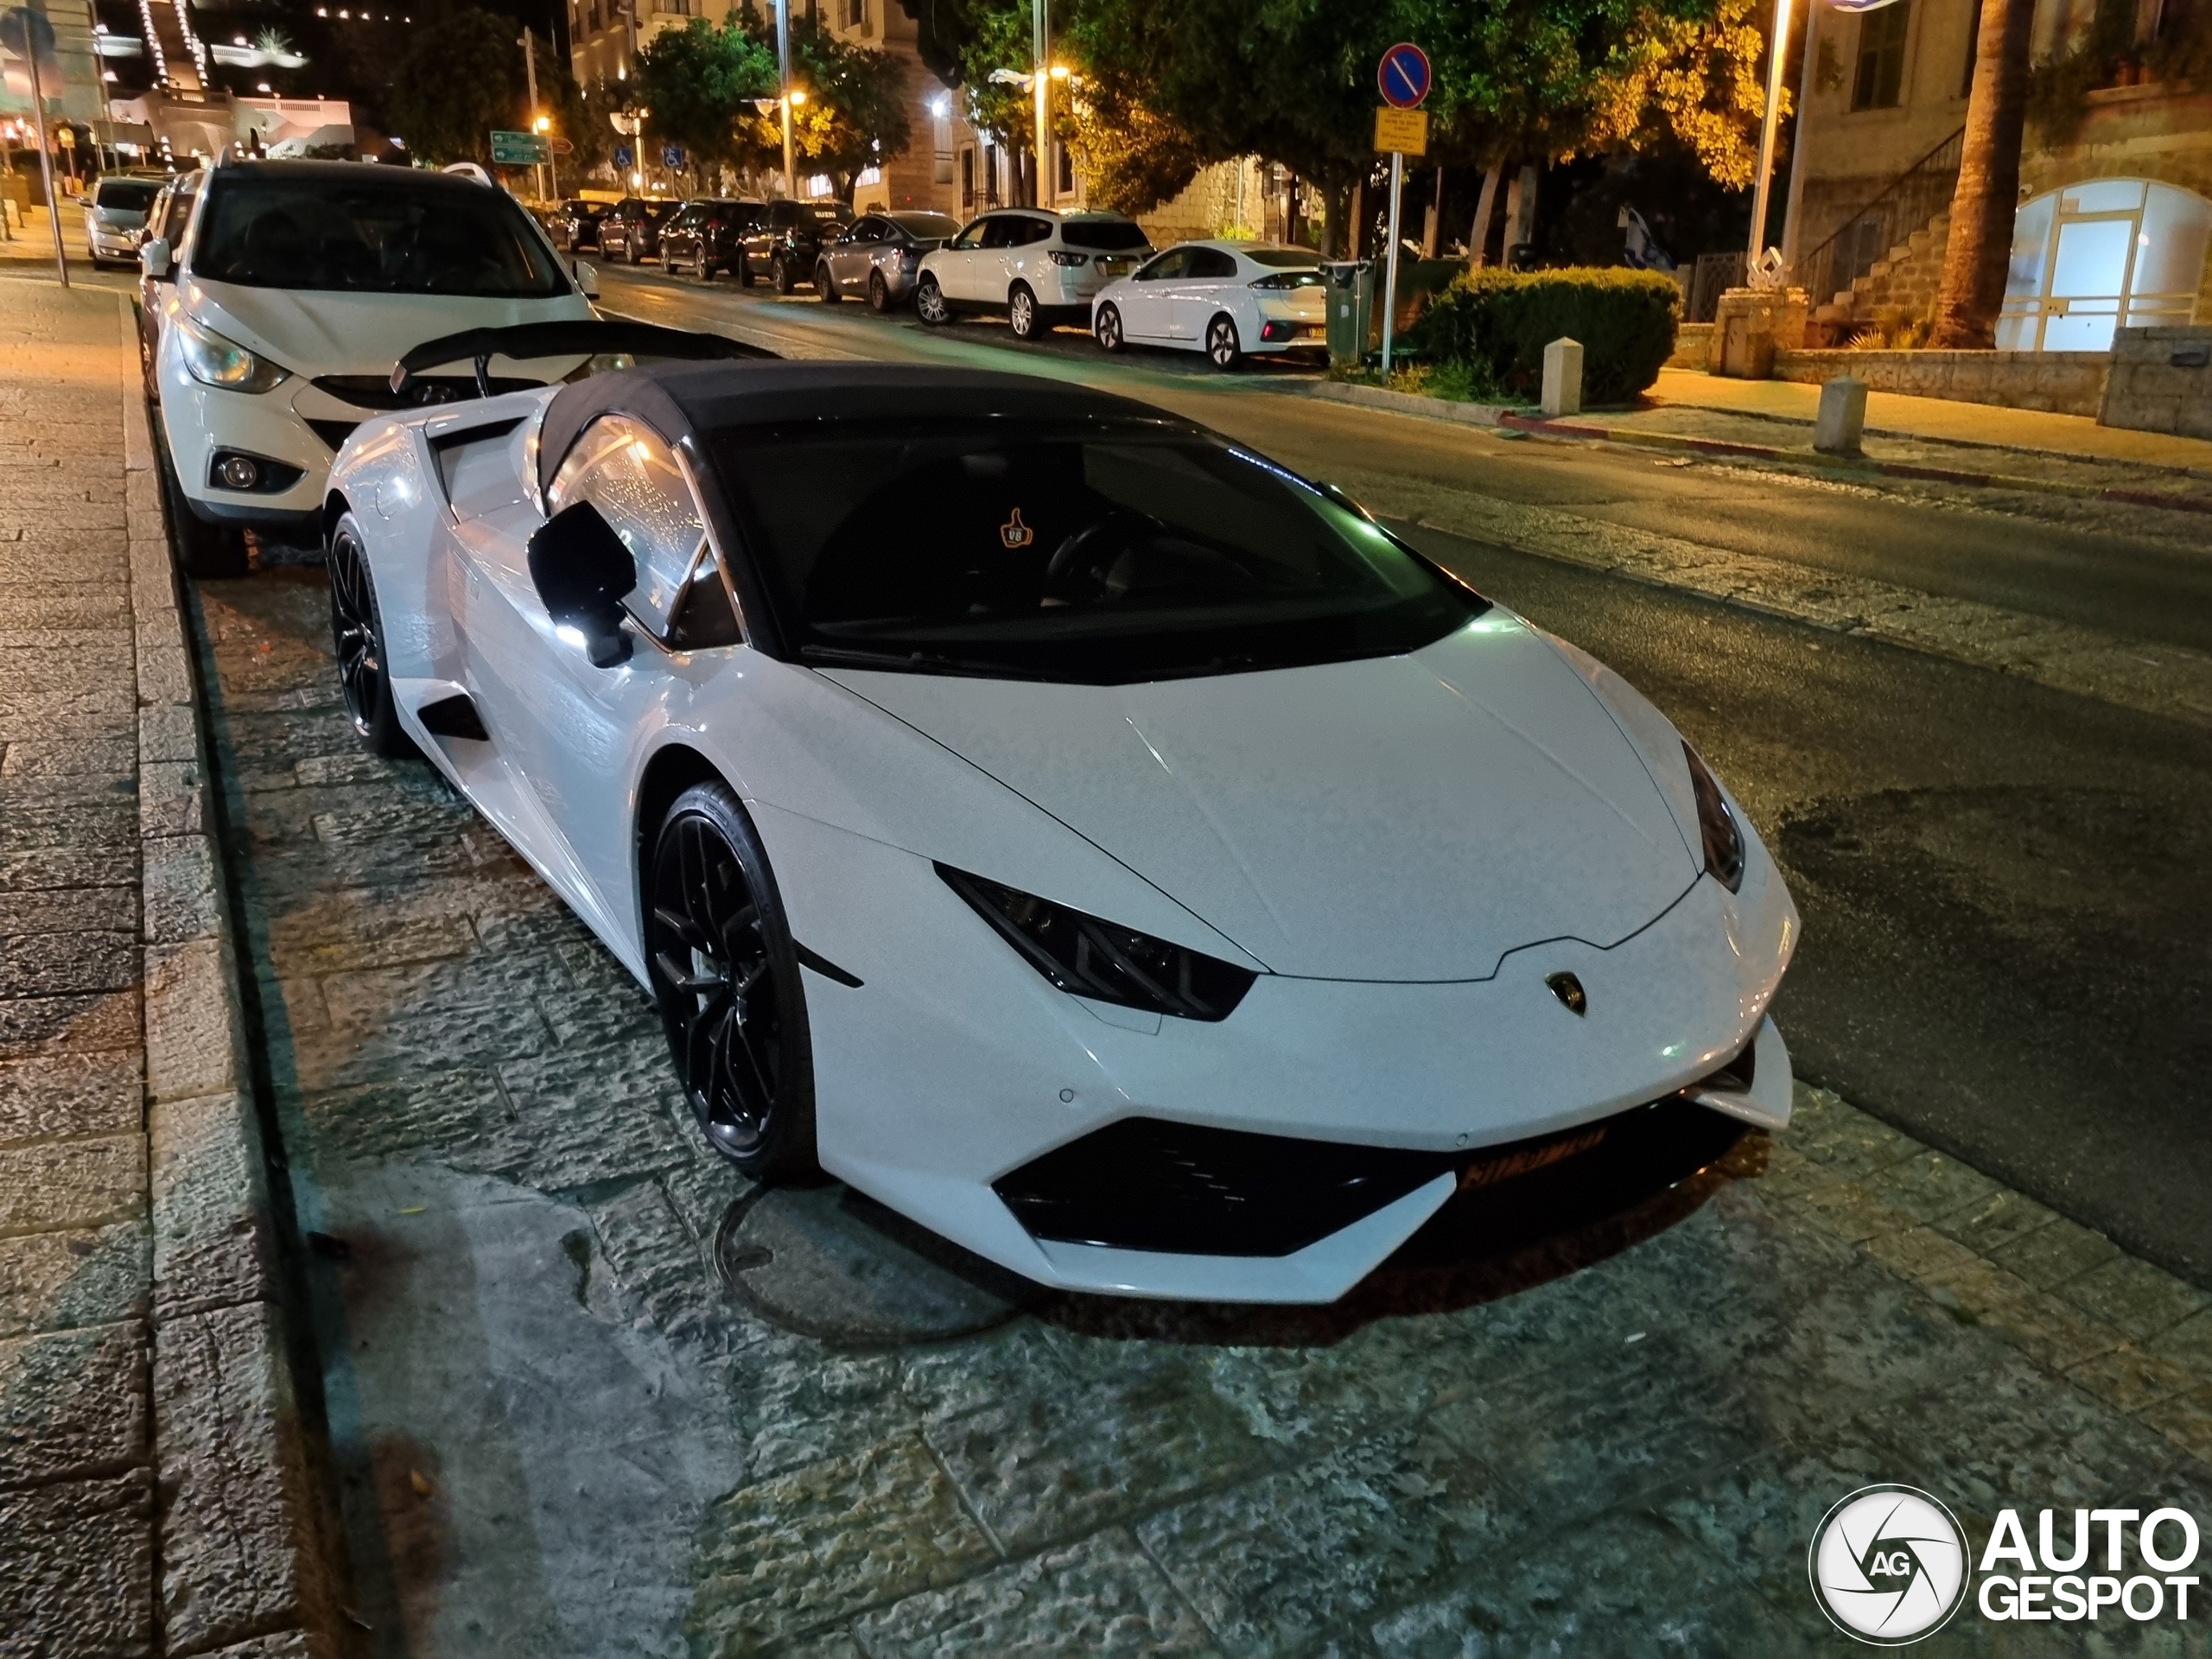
(1499, 322)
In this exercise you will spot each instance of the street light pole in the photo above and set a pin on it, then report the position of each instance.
(1774, 55)
(1041, 93)
(44, 160)
(784, 71)
(537, 121)
(1796, 198)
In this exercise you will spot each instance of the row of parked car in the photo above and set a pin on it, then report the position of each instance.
(1038, 267)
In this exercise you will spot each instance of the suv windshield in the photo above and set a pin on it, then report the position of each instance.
(373, 236)
(1106, 235)
(1097, 552)
(127, 195)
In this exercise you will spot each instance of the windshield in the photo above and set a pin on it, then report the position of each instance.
(927, 225)
(1284, 258)
(1098, 553)
(373, 236)
(1107, 235)
(127, 195)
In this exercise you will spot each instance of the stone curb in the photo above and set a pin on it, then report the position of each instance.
(1508, 416)
(246, 1542)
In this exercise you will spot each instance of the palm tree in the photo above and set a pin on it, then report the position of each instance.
(1980, 246)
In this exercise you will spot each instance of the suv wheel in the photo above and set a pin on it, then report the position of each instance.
(1021, 312)
(785, 278)
(929, 302)
(825, 285)
(1106, 327)
(208, 552)
(879, 292)
(1223, 349)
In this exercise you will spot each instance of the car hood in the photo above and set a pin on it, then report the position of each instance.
(333, 332)
(1402, 818)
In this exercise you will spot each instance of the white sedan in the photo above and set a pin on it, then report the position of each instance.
(296, 286)
(1226, 299)
(1059, 822)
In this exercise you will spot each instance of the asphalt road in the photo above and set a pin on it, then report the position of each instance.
(2003, 885)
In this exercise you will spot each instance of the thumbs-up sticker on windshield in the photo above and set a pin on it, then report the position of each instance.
(1014, 533)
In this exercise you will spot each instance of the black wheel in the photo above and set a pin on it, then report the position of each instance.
(728, 978)
(785, 279)
(208, 552)
(1106, 328)
(1021, 314)
(703, 267)
(1223, 349)
(929, 303)
(620, 257)
(357, 634)
(879, 292)
(825, 285)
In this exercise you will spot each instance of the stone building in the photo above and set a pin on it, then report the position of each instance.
(2115, 218)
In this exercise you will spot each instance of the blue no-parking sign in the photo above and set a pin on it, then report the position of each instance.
(1404, 76)
(672, 157)
(622, 157)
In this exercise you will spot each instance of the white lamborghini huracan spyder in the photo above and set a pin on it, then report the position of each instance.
(1064, 824)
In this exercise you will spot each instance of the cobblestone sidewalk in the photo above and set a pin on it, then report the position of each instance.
(559, 1433)
(154, 1490)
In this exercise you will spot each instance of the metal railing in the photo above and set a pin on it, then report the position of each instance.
(1867, 233)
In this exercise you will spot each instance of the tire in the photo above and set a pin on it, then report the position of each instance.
(703, 268)
(930, 304)
(621, 259)
(1021, 314)
(744, 270)
(1106, 328)
(1223, 350)
(785, 279)
(204, 551)
(825, 285)
(357, 637)
(726, 975)
(878, 294)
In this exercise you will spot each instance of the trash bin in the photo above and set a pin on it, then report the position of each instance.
(1351, 310)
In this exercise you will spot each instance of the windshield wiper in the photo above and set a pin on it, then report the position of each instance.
(914, 662)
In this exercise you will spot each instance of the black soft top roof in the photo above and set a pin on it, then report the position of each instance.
(679, 399)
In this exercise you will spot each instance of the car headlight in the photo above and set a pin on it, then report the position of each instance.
(1716, 825)
(214, 361)
(1085, 956)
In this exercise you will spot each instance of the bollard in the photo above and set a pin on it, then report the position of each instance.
(1842, 417)
(1562, 378)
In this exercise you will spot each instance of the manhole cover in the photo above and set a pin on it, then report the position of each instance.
(827, 1262)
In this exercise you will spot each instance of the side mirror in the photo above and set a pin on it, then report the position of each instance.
(586, 280)
(582, 570)
(154, 258)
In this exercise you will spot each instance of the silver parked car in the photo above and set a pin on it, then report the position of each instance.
(115, 216)
(878, 255)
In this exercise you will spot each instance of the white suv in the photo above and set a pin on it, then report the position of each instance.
(298, 286)
(1038, 266)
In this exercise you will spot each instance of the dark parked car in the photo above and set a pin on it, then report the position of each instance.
(703, 238)
(575, 224)
(630, 231)
(784, 245)
(877, 256)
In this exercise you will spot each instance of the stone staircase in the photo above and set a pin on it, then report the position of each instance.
(1901, 284)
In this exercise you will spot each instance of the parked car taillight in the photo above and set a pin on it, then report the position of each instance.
(712, 227)
(1064, 257)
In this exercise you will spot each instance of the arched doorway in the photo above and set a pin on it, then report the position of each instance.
(2100, 255)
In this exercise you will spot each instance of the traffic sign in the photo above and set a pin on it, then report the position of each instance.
(622, 157)
(518, 150)
(1402, 132)
(560, 146)
(1404, 76)
(672, 157)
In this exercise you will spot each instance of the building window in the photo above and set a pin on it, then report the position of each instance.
(1065, 171)
(991, 174)
(1881, 57)
(967, 179)
(852, 14)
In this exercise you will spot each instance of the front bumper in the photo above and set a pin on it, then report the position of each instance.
(954, 1071)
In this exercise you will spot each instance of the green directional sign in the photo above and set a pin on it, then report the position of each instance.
(520, 149)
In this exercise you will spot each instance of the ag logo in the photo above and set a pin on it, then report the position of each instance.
(1889, 1565)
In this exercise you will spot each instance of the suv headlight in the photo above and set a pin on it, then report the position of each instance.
(1085, 956)
(214, 361)
(1716, 825)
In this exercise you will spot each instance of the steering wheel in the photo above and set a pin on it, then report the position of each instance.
(1095, 543)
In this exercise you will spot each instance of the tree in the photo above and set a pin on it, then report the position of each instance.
(855, 110)
(700, 81)
(459, 77)
(1976, 258)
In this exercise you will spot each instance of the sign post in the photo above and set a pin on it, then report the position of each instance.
(520, 149)
(1404, 78)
